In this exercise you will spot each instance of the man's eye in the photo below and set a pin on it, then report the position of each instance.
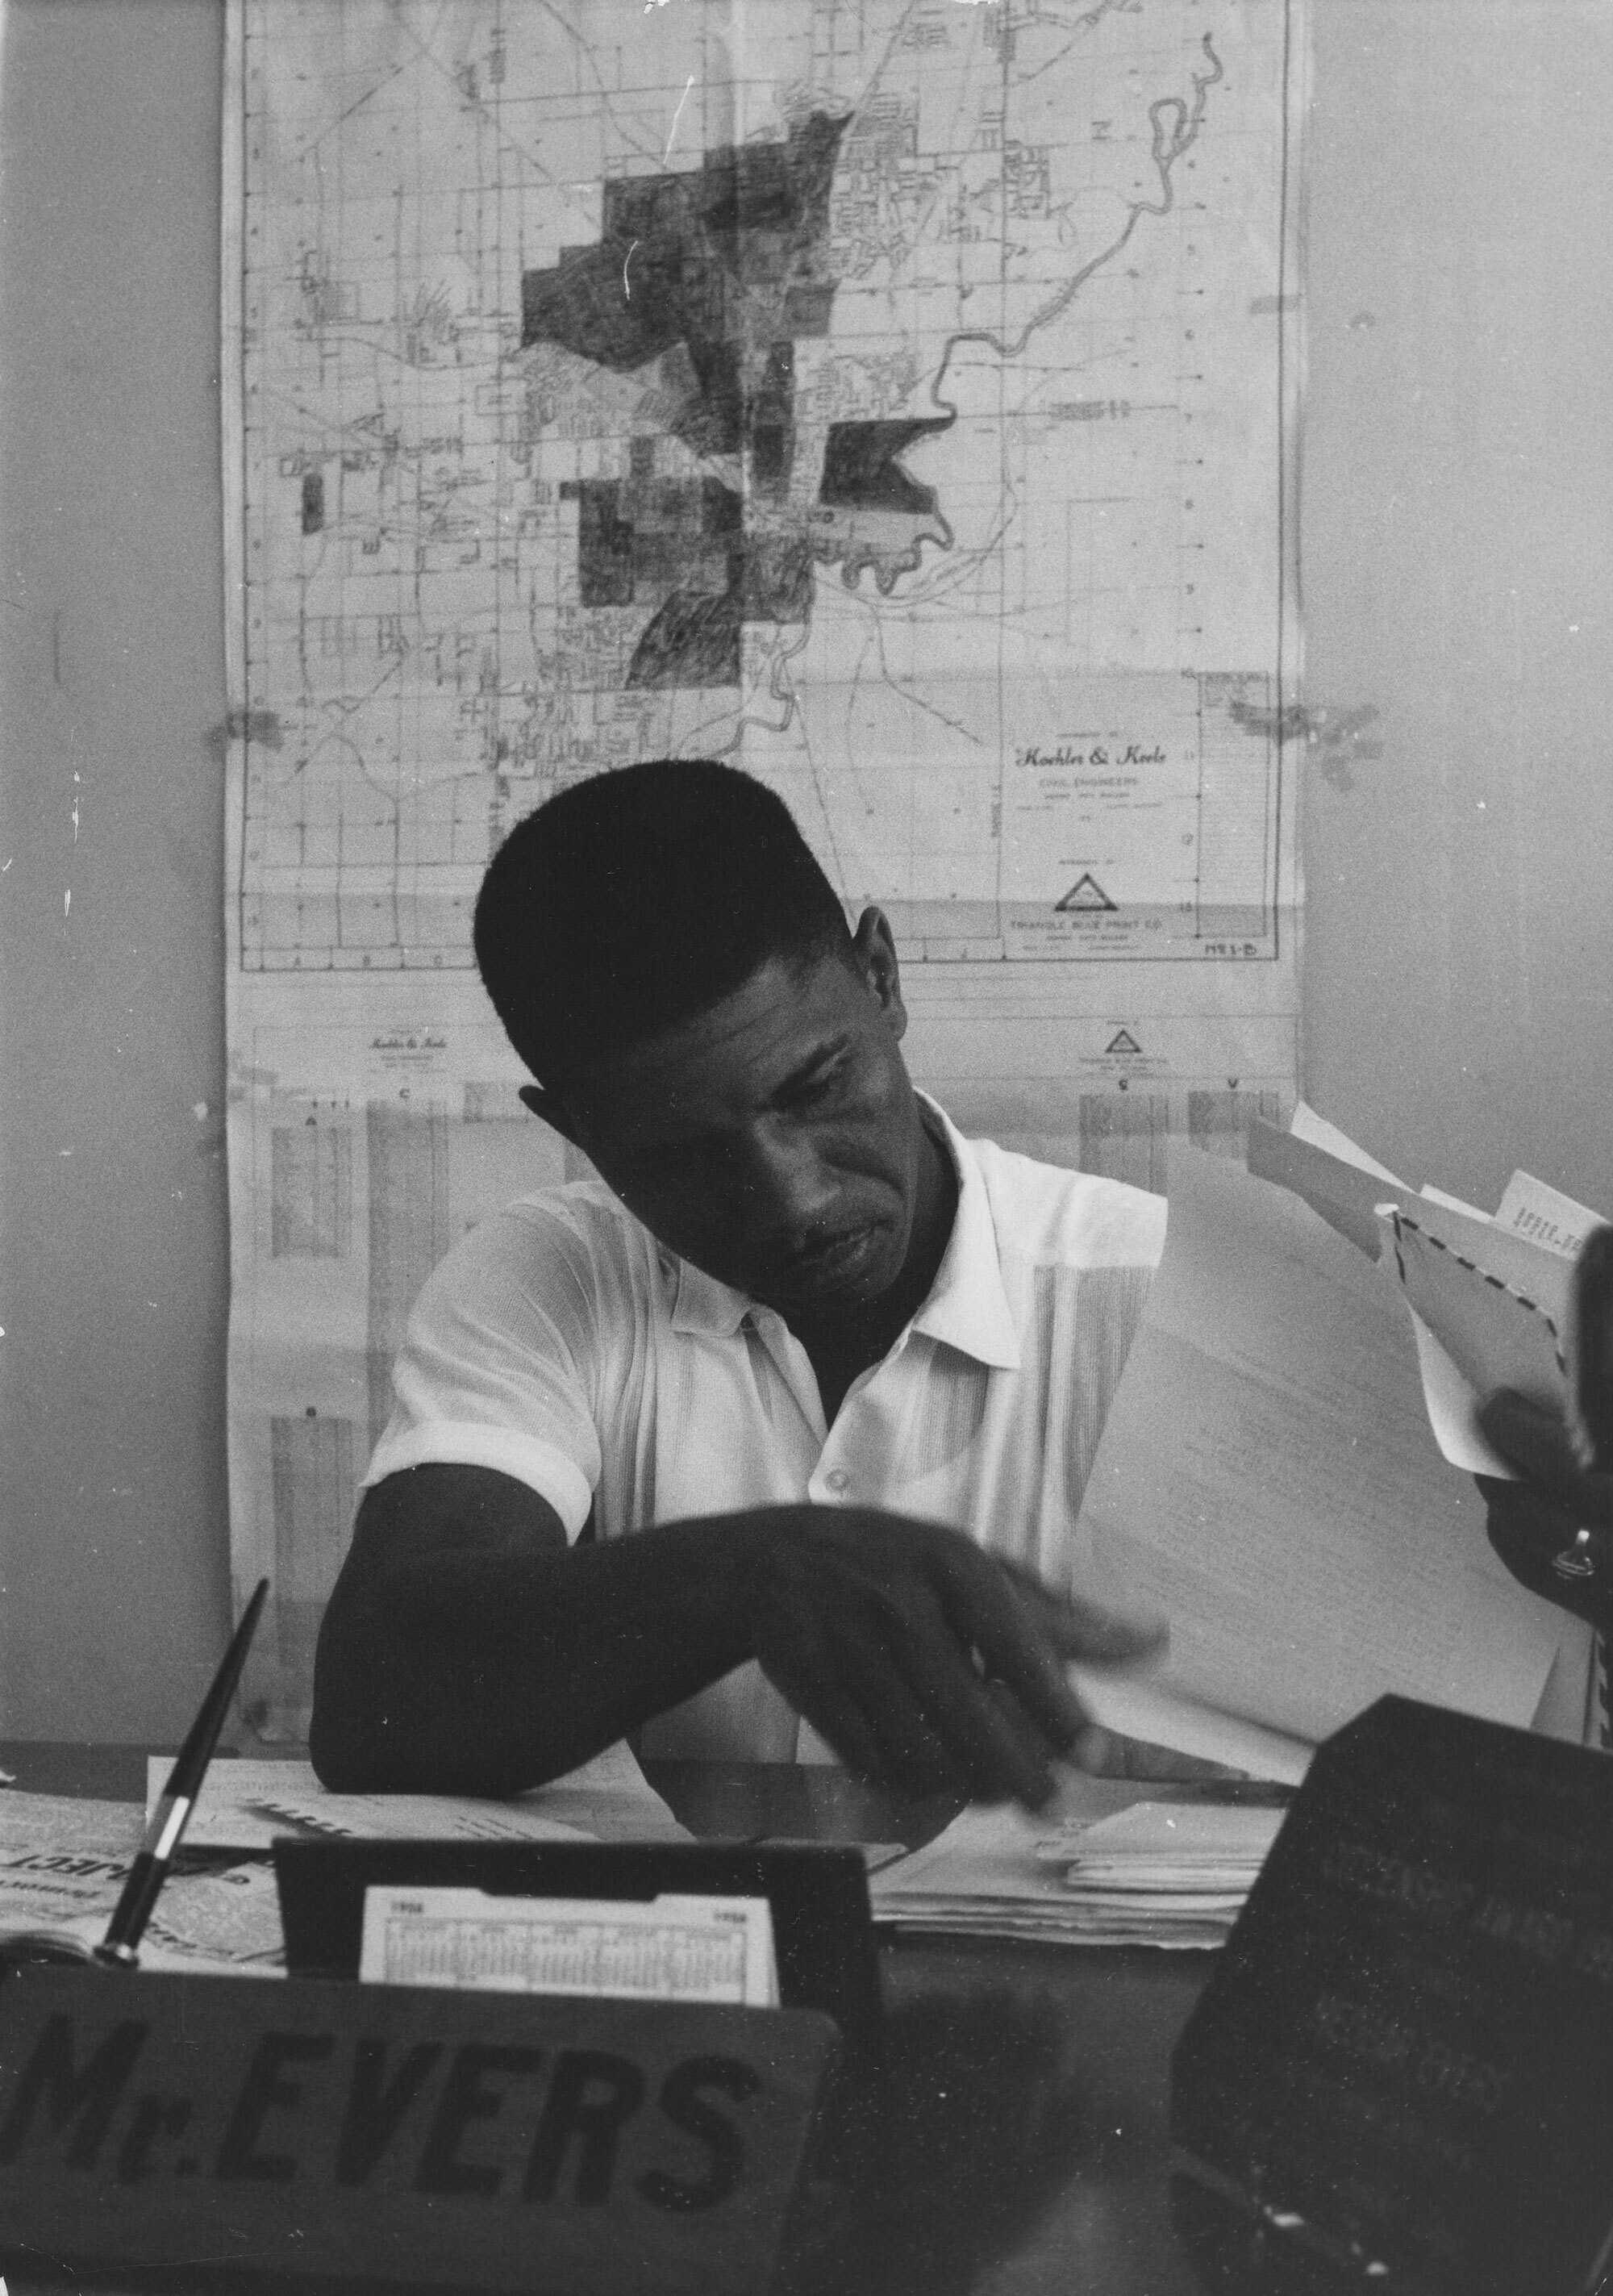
(822, 1086)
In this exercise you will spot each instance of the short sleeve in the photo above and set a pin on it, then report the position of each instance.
(501, 1364)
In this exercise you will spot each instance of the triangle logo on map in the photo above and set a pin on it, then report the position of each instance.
(1086, 893)
(1123, 1041)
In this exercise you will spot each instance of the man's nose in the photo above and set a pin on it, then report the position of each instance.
(788, 1188)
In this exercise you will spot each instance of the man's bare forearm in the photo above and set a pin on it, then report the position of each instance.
(468, 1649)
(486, 1667)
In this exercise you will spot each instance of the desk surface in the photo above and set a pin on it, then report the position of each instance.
(1028, 2084)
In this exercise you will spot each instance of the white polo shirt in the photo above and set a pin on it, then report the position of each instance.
(560, 1343)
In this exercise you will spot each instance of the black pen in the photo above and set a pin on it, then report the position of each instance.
(168, 1820)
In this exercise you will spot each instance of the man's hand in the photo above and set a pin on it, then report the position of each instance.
(1562, 1510)
(928, 1665)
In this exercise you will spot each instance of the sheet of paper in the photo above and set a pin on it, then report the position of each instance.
(1169, 1837)
(1309, 1159)
(1267, 1477)
(1430, 1194)
(1544, 1216)
(1452, 1409)
(1151, 1706)
(62, 1865)
(677, 1948)
(1306, 1124)
(249, 1804)
(62, 1858)
(1491, 1311)
(225, 1925)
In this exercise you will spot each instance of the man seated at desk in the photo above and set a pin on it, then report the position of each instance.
(848, 1368)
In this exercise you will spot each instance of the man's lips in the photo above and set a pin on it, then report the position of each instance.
(829, 1255)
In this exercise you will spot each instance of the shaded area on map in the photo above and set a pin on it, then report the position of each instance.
(714, 273)
(729, 260)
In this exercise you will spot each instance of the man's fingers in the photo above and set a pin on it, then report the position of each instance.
(987, 1613)
(926, 1663)
(1027, 1636)
(1001, 1752)
(1032, 1743)
(850, 1685)
(796, 1659)
(916, 1747)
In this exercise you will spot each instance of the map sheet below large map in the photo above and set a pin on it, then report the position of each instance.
(894, 396)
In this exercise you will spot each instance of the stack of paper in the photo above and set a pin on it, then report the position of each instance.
(1164, 1873)
(1176, 1872)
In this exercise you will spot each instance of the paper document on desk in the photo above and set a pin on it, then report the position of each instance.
(1106, 1872)
(1167, 1848)
(250, 1804)
(63, 1862)
(1267, 1478)
(674, 1948)
(62, 1858)
(225, 1925)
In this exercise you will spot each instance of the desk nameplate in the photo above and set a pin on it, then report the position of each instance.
(589, 2148)
(1400, 2075)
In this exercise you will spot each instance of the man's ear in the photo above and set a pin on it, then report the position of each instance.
(552, 1108)
(876, 954)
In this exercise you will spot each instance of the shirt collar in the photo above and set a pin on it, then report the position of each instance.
(967, 1306)
(702, 1304)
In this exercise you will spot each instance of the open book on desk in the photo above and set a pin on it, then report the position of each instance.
(1268, 1476)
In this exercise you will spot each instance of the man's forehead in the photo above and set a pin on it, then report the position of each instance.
(787, 1013)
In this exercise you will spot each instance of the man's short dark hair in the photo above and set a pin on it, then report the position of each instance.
(639, 897)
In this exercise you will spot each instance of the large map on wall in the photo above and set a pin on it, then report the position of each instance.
(894, 396)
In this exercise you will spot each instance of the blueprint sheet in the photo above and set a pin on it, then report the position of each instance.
(896, 397)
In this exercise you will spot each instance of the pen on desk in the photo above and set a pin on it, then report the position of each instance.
(168, 1820)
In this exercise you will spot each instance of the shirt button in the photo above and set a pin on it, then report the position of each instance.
(837, 1478)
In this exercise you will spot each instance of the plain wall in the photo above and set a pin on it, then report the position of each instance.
(112, 1213)
(1457, 558)
(1457, 562)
